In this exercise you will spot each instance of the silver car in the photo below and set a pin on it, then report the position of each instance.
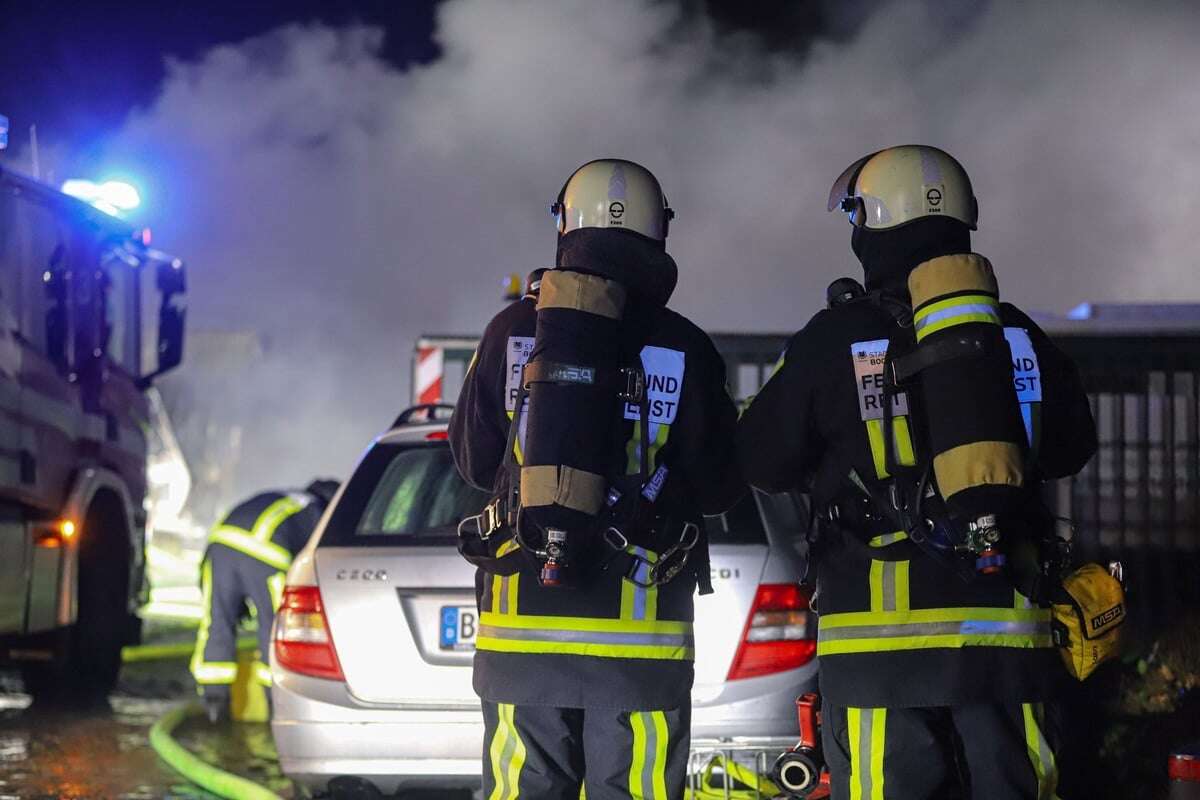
(373, 641)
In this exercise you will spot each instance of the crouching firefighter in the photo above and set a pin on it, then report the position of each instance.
(244, 567)
(923, 416)
(599, 420)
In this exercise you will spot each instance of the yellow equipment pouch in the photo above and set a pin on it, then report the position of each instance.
(1087, 619)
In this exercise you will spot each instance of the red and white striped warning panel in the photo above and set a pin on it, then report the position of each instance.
(427, 384)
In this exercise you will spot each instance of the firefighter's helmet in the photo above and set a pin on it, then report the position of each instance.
(891, 187)
(613, 193)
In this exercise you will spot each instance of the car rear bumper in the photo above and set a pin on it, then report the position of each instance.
(321, 732)
(753, 707)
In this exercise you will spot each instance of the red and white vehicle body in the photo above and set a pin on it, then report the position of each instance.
(89, 314)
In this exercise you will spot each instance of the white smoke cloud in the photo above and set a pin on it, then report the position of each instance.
(341, 207)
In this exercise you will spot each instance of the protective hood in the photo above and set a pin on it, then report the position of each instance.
(323, 489)
(888, 256)
(638, 263)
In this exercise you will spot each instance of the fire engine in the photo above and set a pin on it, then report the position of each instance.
(90, 315)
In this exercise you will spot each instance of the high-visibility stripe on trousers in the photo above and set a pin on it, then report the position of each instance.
(908, 753)
(542, 751)
(586, 636)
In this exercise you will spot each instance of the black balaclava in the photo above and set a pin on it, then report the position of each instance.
(637, 262)
(889, 256)
(323, 489)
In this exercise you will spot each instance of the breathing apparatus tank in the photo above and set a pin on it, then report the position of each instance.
(954, 360)
(963, 367)
(572, 414)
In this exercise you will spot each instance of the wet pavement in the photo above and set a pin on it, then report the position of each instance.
(105, 752)
(94, 752)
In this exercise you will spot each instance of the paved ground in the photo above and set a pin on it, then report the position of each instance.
(105, 752)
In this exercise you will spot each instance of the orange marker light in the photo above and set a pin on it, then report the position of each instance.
(67, 528)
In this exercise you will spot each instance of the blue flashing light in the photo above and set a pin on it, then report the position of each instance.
(112, 197)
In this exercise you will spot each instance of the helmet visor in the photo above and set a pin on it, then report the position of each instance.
(843, 186)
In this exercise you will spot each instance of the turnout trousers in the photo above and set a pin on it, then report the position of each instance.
(916, 753)
(551, 753)
(228, 579)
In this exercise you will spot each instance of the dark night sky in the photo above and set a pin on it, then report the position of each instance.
(76, 73)
(76, 70)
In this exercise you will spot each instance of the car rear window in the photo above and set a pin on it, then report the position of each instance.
(403, 495)
(741, 524)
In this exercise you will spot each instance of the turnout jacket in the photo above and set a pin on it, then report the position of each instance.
(607, 643)
(897, 628)
(248, 554)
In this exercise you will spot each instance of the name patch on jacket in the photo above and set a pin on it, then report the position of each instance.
(868, 376)
(664, 385)
(516, 355)
(1027, 375)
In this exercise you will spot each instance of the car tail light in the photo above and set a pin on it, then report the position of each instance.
(779, 634)
(437, 436)
(303, 642)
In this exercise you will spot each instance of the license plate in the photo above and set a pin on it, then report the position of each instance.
(458, 627)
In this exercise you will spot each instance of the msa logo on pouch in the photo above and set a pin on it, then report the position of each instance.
(516, 355)
(1114, 613)
(868, 376)
(664, 385)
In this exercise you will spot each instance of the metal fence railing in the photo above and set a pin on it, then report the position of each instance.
(1138, 500)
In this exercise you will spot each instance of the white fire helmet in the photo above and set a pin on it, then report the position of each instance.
(613, 193)
(890, 187)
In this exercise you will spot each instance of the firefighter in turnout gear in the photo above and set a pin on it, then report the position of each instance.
(244, 567)
(923, 440)
(585, 648)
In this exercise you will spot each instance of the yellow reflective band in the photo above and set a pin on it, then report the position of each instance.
(887, 631)
(262, 673)
(976, 314)
(659, 720)
(516, 443)
(633, 453)
(603, 638)
(878, 742)
(854, 734)
(884, 539)
(506, 754)
(275, 514)
(889, 586)
(242, 541)
(208, 672)
(598, 624)
(638, 767)
(875, 581)
(1040, 754)
(507, 547)
(504, 593)
(904, 447)
(952, 302)
(878, 454)
(866, 728)
(639, 602)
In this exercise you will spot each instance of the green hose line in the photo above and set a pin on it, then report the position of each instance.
(198, 771)
(150, 652)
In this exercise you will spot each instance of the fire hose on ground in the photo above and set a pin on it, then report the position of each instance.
(206, 776)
